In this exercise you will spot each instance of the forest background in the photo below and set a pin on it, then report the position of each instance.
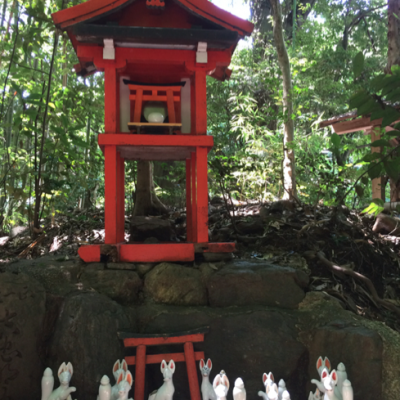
(49, 118)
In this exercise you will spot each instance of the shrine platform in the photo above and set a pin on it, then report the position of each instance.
(155, 147)
(138, 252)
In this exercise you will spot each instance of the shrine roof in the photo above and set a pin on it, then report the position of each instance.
(93, 10)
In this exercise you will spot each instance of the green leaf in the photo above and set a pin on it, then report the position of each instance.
(392, 168)
(376, 207)
(380, 143)
(376, 171)
(372, 157)
(358, 99)
(358, 64)
(391, 115)
(335, 139)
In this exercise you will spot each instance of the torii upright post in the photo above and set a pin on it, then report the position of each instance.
(154, 56)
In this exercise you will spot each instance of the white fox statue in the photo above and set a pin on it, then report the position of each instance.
(63, 392)
(166, 391)
(239, 392)
(334, 385)
(119, 391)
(221, 385)
(207, 390)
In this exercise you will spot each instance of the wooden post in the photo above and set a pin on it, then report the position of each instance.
(189, 225)
(191, 371)
(194, 197)
(111, 194)
(200, 95)
(140, 372)
(202, 195)
(111, 100)
(378, 189)
(121, 199)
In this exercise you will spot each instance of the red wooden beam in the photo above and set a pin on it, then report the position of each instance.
(157, 358)
(156, 252)
(90, 253)
(124, 139)
(155, 341)
(163, 56)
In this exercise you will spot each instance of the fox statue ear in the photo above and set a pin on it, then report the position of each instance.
(124, 365)
(128, 378)
(327, 363)
(171, 366)
(70, 368)
(334, 376)
(217, 380)
(209, 364)
(62, 368)
(116, 366)
(163, 365)
(271, 376)
(265, 377)
(225, 381)
(324, 373)
(319, 363)
(120, 378)
(201, 364)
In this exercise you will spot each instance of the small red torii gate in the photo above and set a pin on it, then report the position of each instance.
(155, 45)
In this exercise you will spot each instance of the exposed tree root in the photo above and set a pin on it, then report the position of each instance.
(338, 270)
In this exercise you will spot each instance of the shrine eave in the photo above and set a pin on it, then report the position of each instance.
(92, 10)
(129, 36)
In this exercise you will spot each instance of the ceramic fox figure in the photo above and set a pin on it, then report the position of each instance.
(321, 364)
(63, 392)
(268, 380)
(119, 366)
(207, 390)
(281, 389)
(347, 390)
(118, 369)
(315, 396)
(221, 385)
(272, 392)
(166, 391)
(239, 392)
(124, 383)
(104, 389)
(342, 376)
(329, 381)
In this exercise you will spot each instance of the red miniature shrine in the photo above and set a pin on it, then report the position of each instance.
(155, 56)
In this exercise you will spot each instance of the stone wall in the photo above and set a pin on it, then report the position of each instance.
(260, 319)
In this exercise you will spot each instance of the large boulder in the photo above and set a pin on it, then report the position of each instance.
(22, 312)
(86, 334)
(246, 283)
(121, 286)
(244, 342)
(328, 330)
(58, 277)
(175, 284)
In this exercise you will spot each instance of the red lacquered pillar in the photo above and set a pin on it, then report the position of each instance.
(140, 371)
(189, 225)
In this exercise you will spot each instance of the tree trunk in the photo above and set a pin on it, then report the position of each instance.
(289, 181)
(393, 35)
(393, 57)
(146, 201)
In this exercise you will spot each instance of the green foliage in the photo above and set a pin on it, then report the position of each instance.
(338, 57)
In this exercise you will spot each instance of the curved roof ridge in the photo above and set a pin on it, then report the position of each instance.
(95, 8)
